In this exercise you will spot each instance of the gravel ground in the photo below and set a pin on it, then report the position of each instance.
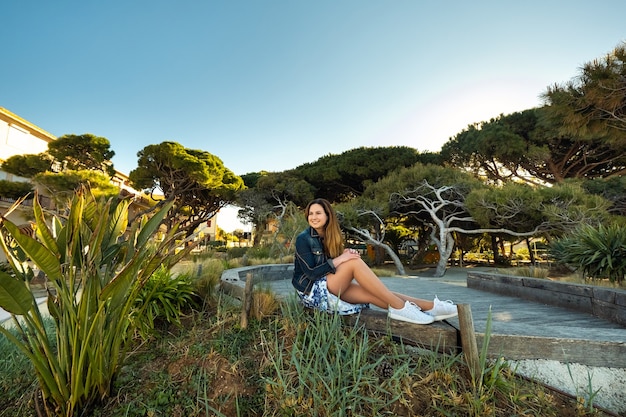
(606, 387)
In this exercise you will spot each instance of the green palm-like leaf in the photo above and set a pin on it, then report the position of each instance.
(95, 235)
(15, 297)
(119, 222)
(61, 241)
(40, 255)
(119, 284)
(74, 244)
(151, 225)
(90, 209)
(43, 232)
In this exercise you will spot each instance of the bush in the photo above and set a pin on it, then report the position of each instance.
(267, 261)
(522, 254)
(259, 252)
(237, 252)
(599, 252)
(264, 303)
(208, 278)
(163, 299)
(14, 190)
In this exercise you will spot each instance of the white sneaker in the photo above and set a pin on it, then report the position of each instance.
(410, 313)
(442, 310)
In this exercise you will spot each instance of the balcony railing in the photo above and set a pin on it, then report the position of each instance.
(46, 202)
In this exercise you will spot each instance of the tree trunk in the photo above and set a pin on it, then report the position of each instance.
(396, 260)
(494, 249)
(378, 246)
(258, 234)
(379, 256)
(445, 250)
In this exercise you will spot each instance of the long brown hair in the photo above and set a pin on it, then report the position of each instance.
(333, 238)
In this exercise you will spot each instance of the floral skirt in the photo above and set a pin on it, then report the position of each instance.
(322, 299)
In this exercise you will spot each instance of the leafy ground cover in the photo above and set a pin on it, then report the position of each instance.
(293, 363)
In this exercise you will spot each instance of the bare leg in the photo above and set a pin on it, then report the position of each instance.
(370, 288)
(423, 304)
(356, 294)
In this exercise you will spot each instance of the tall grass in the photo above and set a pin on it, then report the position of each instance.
(321, 368)
(17, 379)
(527, 271)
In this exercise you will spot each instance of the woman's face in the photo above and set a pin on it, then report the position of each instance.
(317, 217)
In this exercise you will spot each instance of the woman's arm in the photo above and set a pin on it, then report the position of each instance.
(345, 256)
(312, 261)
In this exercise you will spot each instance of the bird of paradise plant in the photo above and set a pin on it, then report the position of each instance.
(95, 262)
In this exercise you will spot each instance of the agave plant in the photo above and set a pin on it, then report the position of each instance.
(95, 263)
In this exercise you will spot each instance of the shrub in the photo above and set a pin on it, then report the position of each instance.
(237, 252)
(208, 277)
(522, 254)
(259, 252)
(266, 261)
(162, 299)
(14, 190)
(264, 303)
(599, 252)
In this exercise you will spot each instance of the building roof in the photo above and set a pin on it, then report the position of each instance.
(35, 130)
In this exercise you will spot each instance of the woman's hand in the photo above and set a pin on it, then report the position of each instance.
(348, 254)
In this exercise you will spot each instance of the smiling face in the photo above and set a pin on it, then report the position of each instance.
(317, 218)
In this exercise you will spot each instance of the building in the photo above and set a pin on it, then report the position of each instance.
(20, 137)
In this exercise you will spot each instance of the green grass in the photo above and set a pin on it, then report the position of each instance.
(294, 363)
(16, 379)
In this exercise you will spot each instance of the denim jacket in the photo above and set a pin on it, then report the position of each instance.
(310, 261)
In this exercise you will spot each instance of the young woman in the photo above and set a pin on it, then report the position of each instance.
(331, 278)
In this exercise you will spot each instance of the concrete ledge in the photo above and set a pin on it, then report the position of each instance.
(261, 273)
(606, 303)
(444, 336)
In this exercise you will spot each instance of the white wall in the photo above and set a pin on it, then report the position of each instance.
(15, 140)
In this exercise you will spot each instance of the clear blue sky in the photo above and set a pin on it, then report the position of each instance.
(271, 84)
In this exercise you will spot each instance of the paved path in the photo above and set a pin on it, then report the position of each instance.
(509, 315)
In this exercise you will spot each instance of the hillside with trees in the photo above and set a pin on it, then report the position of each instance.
(532, 175)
